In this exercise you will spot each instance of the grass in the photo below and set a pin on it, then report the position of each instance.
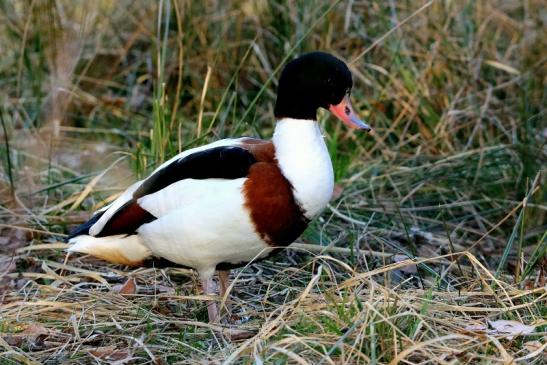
(96, 94)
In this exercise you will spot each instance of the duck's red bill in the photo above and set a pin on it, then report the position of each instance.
(345, 113)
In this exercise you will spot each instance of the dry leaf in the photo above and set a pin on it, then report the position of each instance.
(504, 328)
(532, 346)
(109, 353)
(509, 329)
(476, 327)
(31, 333)
(35, 329)
(128, 288)
(14, 340)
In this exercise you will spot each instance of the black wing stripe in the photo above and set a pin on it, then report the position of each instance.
(226, 162)
(83, 229)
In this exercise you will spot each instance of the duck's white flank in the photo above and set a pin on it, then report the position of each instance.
(304, 160)
(202, 223)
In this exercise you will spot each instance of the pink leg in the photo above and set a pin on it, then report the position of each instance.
(208, 286)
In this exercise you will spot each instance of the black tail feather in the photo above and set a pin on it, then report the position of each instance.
(83, 229)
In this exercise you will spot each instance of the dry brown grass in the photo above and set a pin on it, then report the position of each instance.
(319, 311)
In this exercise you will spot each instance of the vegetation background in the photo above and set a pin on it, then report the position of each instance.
(96, 93)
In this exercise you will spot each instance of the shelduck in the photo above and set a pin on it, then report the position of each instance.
(233, 201)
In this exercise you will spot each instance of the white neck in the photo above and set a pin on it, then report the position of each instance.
(304, 161)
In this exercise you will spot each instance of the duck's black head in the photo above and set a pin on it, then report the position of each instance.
(316, 80)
